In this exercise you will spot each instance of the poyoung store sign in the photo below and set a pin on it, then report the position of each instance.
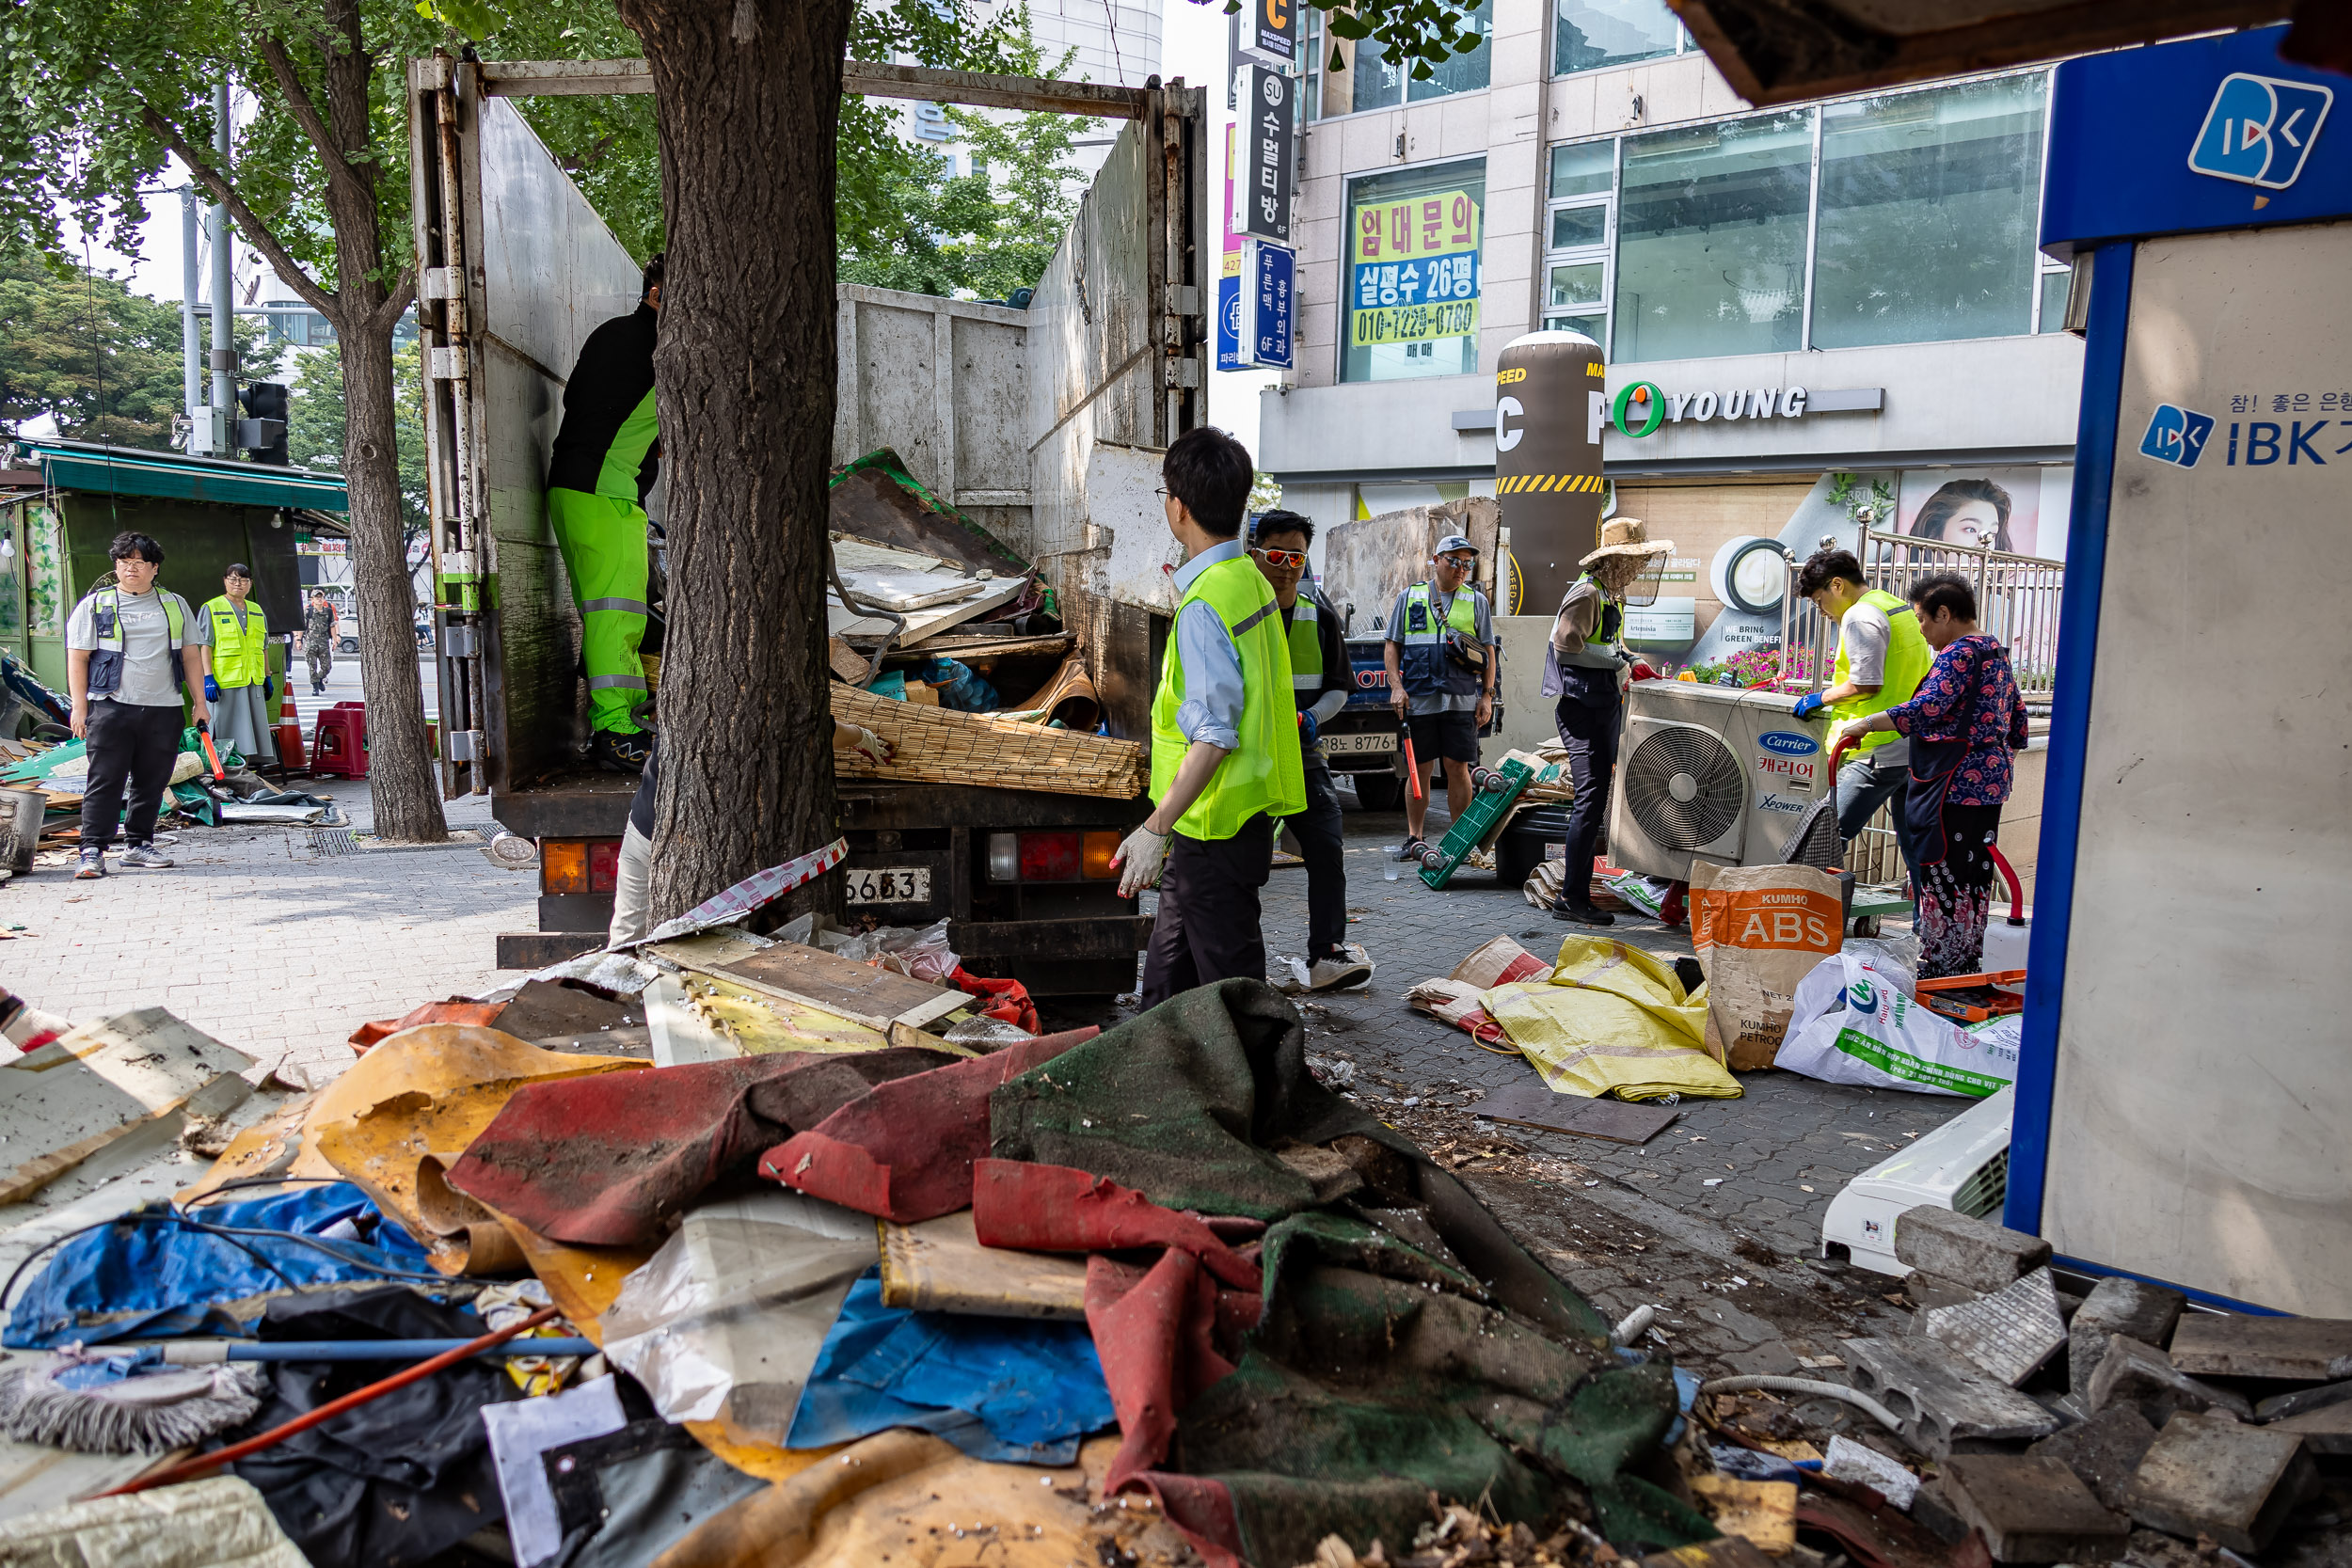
(1639, 409)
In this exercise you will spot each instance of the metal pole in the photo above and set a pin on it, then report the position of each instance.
(224, 303)
(191, 286)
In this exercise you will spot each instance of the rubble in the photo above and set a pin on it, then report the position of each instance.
(2298, 1349)
(2116, 1304)
(1966, 1250)
(2139, 1374)
(1946, 1404)
(2032, 1509)
(2210, 1477)
(2009, 1333)
(2105, 1452)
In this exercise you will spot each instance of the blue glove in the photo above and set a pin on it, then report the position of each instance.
(211, 689)
(269, 686)
(1308, 728)
(1809, 704)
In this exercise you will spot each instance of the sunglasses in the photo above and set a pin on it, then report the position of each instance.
(1280, 558)
(1459, 563)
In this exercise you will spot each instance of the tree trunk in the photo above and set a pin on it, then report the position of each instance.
(747, 97)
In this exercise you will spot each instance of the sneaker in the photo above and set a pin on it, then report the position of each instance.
(145, 854)
(1582, 915)
(93, 864)
(1337, 973)
(1412, 849)
(616, 753)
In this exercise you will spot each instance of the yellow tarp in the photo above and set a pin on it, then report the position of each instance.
(1611, 1020)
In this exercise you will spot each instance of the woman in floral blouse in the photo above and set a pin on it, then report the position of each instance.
(1965, 723)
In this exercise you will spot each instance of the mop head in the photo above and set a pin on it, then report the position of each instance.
(92, 1403)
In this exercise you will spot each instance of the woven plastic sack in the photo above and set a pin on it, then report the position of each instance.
(1757, 932)
(1854, 1024)
(1611, 1020)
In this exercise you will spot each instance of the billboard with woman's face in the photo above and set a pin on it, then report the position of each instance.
(1996, 509)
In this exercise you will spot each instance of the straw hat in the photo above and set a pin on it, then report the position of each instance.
(1627, 536)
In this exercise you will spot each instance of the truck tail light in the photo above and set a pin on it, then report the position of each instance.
(1049, 857)
(1096, 859)
(579, 864)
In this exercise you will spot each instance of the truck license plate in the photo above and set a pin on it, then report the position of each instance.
(890, 884)
(1357, 745)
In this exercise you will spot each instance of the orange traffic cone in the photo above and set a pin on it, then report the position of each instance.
(290, 755)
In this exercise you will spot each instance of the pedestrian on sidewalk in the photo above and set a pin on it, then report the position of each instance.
(1882, 658)
(318, 641)
(1965, 722)
(1587, 666)
(1320, 681)
(1225, 758)
(237, 682)
(131, 647)
(1441, 657)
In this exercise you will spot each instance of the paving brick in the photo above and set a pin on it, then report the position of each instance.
(2326, 1429)
(2301, 1350)
(2105, 1451)
(2208, 1477)
(2133, 1373)
(2132, 1308)
(1964, 1249)
(2280, 1406)
(2032, 1509)
(2010, 1333)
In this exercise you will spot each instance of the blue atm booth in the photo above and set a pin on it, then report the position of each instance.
(2185, 1097)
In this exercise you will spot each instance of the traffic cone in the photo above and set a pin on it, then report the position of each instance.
(290, 755)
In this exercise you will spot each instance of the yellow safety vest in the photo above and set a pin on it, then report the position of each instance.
(1306, 647)
(1265, 775)
(240, 654)
(1908, 661)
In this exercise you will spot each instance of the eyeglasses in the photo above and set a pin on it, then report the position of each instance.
(1280, 558)
(1459, 563)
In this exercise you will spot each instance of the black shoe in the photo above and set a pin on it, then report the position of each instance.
(616, 753)
(1411, 849)
(1582, 915)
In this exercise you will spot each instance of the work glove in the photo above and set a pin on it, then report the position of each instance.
(1641, 671)
(858, 739)
(269, 688)
(1809, 704)
(211, 689)
(1308, 729)
(1140, 860)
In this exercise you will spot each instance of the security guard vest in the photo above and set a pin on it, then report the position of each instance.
(1908, 661)
(105, 661)
(1265, 774)
(239, 653)
(1306, 647)
(1421, 661)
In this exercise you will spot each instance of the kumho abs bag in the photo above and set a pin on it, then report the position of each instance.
(1758, 930)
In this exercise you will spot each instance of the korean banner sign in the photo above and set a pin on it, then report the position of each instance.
(1413, 269)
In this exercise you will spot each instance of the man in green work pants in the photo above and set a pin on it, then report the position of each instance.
(606, 456)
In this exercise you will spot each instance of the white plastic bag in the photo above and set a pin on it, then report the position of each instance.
(917, 952)
(1852, 1023)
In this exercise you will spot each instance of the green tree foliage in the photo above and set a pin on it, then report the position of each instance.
(315, 424)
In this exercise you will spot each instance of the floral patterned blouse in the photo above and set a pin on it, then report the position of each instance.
(1997, 729)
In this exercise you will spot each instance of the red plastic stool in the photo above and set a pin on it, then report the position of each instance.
(341, 745)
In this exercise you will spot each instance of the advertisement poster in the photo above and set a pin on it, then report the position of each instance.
(1228, 274)
(1413, 270)
(1997, 509)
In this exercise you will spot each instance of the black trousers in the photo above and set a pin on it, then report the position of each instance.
(1590, 733)
(1319, 831)
(1208, 925)
(134, 744)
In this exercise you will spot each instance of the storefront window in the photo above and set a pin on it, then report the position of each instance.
(1711, 239)
(1928, 207)
(1413, 273)
(1592, 35)
(1380, 84)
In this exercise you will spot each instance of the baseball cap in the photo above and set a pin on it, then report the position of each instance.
(1453, 541)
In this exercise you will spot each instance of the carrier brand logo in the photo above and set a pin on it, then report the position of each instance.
(1786, 744)
(2260, 131)
(2176, 436)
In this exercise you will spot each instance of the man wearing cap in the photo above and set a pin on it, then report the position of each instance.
(1587, 668)
(1441, 654)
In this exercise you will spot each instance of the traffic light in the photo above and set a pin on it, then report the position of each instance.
(262, 434)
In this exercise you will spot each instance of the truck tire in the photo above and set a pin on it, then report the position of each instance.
(1377, 791)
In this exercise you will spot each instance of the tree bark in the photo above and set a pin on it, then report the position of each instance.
(747, 100)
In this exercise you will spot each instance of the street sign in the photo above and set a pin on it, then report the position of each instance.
(1269, 30)
(1268, 300)
(1262, 193)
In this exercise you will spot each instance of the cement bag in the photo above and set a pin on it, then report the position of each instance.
(1611, 1020)
(1851, 1025)
(1758, 930)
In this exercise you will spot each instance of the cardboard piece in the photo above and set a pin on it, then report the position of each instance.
(72, 1098)
(1534, 1105)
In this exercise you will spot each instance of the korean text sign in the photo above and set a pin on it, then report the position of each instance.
(1413, 269)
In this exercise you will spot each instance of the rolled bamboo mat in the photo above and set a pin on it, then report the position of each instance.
(933, 745)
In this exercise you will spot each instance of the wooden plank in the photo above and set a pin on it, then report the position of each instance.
(1534, 1106)
(940, 1266)
(71, 1099)
(860, 992)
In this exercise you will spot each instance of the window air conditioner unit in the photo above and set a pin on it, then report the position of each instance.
(1715, 773)
(1961, 1165)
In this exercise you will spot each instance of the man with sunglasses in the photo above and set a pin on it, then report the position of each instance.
(1319, 677)
(1440, 653)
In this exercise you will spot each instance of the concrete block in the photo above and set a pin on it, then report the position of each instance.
(1932, 1511)
(2132, 1308)
(1929, 1291)
(2326, 1429)
(2300, 1350)
(2106, 1451)
(2280, 1406)
(1848, 1460)
(2009, 1334)
(2139, 1374)
(1972, 1252)
(2033, 1509)
(2235, 1483)
(1946, 1403)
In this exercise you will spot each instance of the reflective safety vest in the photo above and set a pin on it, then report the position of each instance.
(1422, 660)
(1265, 775)
(1306, 649)
(239, 653)
(105, 661)
(1908, 661)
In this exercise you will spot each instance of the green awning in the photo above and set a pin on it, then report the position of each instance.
(129, 471)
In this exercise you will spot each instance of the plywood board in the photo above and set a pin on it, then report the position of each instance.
(860, 992)
(1534, 1106)
(64, 1102)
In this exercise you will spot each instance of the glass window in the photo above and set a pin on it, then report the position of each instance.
(1578, 225)
(1711, 239)
(1584, 168)
(1579, 283)
(1413, 273)
(1928, 207)
(2054, 287)
(1589, 35)
(1380, 84)
(1314, 54)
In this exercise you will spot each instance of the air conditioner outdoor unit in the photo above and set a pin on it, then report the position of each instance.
(1961, 1165)
(1711, 772)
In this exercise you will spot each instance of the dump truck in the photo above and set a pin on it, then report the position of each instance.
(1041, 425)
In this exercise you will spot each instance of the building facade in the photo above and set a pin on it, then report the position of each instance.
(1835, 310)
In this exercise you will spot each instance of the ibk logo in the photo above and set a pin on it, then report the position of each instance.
(2260, 131)
(2176, 436)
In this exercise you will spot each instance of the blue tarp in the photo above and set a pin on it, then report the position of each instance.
(152, 1274)
(1017, 1389)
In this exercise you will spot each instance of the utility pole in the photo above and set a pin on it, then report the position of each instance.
(191, 335)
(222, 431)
